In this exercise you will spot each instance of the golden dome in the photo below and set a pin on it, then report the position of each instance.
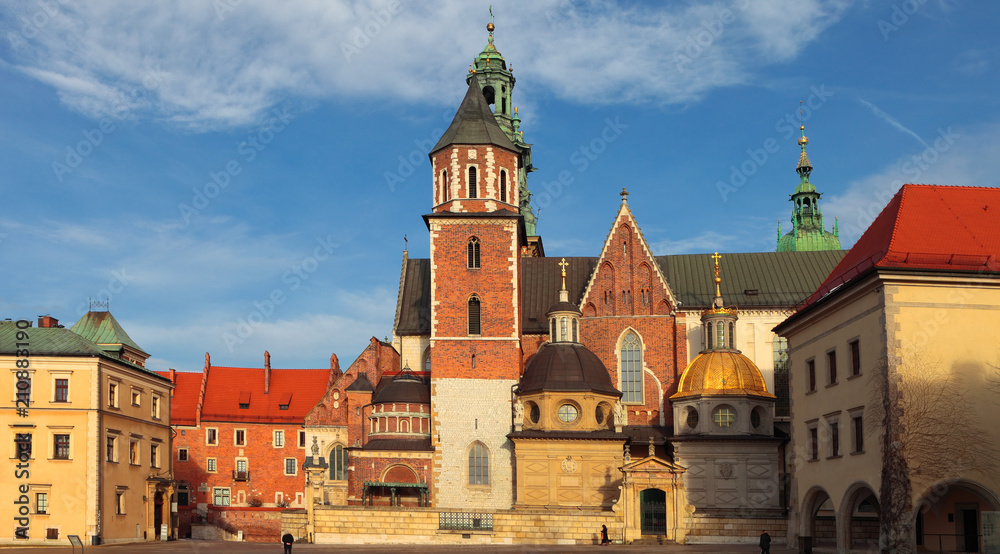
(721, 372)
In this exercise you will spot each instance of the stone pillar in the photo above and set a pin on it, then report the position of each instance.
(167, 515)
(315, 466)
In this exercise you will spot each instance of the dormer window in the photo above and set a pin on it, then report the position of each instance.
(244, 400)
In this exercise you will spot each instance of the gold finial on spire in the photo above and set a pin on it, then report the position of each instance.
(803, 140)
(490, 26)
(563, 265)
(623, 194)
(718, 280)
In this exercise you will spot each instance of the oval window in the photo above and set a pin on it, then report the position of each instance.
(533, 412)
(692, 418)
(568, 413)
(755, 418)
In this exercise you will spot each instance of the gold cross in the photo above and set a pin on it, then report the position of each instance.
(563, 264)
(716, 257)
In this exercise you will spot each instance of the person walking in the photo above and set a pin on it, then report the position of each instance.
(287, 540)
(604, 536)
(765, 543)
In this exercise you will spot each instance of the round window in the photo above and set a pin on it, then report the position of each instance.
(755, 418)
(724, 416)
(599, 414)
(568, 413)
(533, 412)
(692, 418)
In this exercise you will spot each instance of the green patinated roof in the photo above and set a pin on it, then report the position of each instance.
(103, 328)
(805, 186)
(808, 240)
(46, 341)
(59, 341)
(474, 123)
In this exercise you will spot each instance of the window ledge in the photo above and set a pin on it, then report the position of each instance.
(857, 453)
(833, 384)
(835, 457)
(808, 392)
(855, 376)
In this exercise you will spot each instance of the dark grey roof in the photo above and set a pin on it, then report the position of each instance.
(415, 299)
(404, 387)
(541, 280)
(780, 279)
(603, 434)
(361, 383)
(474, 123)
(563, 366)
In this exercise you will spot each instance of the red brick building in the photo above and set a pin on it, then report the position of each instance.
(240, 439)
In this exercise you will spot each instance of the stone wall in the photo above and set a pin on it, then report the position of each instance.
(746, 529)
(367, 525)
(465, 411)
(257, 524)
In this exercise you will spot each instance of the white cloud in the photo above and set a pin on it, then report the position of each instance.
(969, 161)
(709, 241)
(196, 66)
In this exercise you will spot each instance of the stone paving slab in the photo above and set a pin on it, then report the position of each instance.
(221, 547)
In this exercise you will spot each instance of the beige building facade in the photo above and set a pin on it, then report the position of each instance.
(913, 331)
(89, 435)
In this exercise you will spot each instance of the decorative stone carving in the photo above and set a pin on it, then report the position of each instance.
(726, 470)
(620, 414)
(518, 415)
(569, 465)
(315, 448)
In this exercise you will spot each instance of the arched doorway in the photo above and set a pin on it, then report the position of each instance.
(949, 516)
(157, 511)
(861, 511)
(819, 519)
(653, 512)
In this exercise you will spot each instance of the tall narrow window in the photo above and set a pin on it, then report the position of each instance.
(575, 339)
(338, 463)
(711, 337)
(503, 185)
(479, 465)
(631, 369)
(834, 439)
(732, 335)
(444, 185)
(473, 184)
(473, 253)
(564, 335)
(855, 358)
(859, 433)
(811, 371)
(831, 359)
(720, 330)
(60, 447)
(62, 390)
(813, 444)
(474, 307)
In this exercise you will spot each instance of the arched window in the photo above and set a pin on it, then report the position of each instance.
(444, 184)
(631, 369)
(338, 463)
(575, 339)
(473, 253)
(404, 426)
(720, 330)
(552, 329)
(473, 185)
(427, 359)
(503, 185)
(563, 331)
(711, 337)
(479, 465)
(474, 307)
(732, 335)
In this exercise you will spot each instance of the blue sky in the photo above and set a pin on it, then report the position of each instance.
(234, 175)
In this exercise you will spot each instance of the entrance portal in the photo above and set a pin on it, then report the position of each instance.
(653, 511)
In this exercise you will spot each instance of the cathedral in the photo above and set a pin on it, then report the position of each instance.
(645, 387)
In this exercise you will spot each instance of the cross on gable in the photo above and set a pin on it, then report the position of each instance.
(563, 265)
(716, 257)
(623, 194)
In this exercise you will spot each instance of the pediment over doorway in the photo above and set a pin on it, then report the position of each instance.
(653, 464)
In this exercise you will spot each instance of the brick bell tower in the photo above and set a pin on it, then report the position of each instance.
(476, 235)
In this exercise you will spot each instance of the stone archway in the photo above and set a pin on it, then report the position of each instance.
(859, 513)
(966, 502)
(819, 520)
(653, 512)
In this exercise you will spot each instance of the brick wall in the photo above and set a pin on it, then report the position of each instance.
(257, 524)
(265, 462)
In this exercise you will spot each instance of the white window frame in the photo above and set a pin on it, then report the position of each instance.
(53, 431)
(154, 406)
(278, 438)
(302, 439)
(68, 376)
(236, 433)
(209, 462)
(134, 445)
(208, 431)
(154, 454)
(228, 495)
(295, 466)
(187, 455)
(135, 396)
(117, 444)
(114, 395)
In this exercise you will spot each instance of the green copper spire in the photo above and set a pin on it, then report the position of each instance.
(496, 79)
(807, 232)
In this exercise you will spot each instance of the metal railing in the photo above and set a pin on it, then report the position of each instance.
(463, 521)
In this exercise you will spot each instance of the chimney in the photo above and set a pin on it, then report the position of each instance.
(173, 379)
(47, 321)
(335, 372)
(267, 371)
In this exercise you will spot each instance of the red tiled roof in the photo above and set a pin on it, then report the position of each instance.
(229, 386)
(184, 403)
(929, 227)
